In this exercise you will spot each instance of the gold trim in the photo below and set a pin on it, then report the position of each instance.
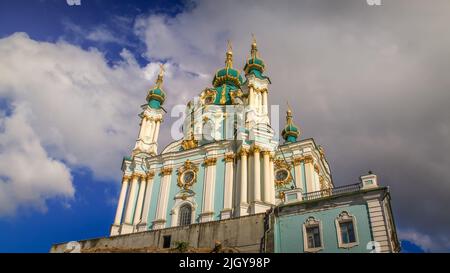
(256, 149)
(166, 170)
(210, 161)
(126, 177)
(298, 160)
(316, 168)
(243, 152)
(150, 174)
(281, 165)
(229, 157)
(188, 166)
(308, 159)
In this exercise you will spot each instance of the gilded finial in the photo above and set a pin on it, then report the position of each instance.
(289, 114)
(289, 110)
(159, 80)
(229, 59)
(254, 49)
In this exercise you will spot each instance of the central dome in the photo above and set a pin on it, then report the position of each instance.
(228, 75)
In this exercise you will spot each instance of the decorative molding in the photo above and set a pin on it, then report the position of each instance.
(316, 168)
(308, 159)
(187, 168)
(210, 161)
(281, 166)
(126, 177)
(243, 152)
(343, 217)
(298, 160)
(166, 170)
(150, 174)
(229, 157)
(256, 149)
(310, 223)
(138, 175)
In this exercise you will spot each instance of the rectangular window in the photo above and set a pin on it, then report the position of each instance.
(347, 232)
(313, 237)
(166, 241)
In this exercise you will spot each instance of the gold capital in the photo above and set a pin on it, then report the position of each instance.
(166, 171)
(243, 152)
(256, 149)
(229, 157)
(210, 161)
(150, 175)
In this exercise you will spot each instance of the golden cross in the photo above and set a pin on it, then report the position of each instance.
(161, 69)
(229, 47)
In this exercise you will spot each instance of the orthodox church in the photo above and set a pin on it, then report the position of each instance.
(229, 166)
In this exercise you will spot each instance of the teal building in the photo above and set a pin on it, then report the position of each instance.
(230, 163)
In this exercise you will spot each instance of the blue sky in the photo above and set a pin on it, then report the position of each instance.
(90, 213)
(93, 63)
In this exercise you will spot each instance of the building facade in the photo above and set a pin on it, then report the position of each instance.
(229, 163)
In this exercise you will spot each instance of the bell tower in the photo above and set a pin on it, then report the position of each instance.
(151, 118)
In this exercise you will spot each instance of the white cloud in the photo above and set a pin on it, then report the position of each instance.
(28, 176)
(83, 112)
(425, 241)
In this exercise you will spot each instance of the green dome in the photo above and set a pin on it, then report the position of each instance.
(254, 63)
(156, 96)
(229, 76)
(290, 132)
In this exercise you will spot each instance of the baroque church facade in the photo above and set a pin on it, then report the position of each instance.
(229, 164)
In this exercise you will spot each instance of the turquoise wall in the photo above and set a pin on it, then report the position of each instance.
(288, 230)
(219, 188)
(154, 200)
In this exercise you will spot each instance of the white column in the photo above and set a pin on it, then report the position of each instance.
(156, 131)
(298, 173)
(148, 196)
(272, 184)
(243, 198)
(228, 189)
(251, 98)
(121, 203)
(163, 198)
(264, 99)
(208, 194)
(149, 131)
(143, 128)
(309, 173)
(131, 197)
(257, 175)
(140, 200)
(268, 180)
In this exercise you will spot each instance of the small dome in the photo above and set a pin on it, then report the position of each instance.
(290, 132)
(254, 64)
(156, 96)
(228, 75)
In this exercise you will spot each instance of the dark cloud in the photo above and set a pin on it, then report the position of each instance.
(369, 83)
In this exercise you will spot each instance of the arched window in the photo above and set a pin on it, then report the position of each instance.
(185, 215)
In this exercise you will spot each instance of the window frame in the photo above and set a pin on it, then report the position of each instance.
(180, 214)
(343, 217)
(310, 223)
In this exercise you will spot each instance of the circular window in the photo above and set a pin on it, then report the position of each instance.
(188, 177)
(282, 176)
